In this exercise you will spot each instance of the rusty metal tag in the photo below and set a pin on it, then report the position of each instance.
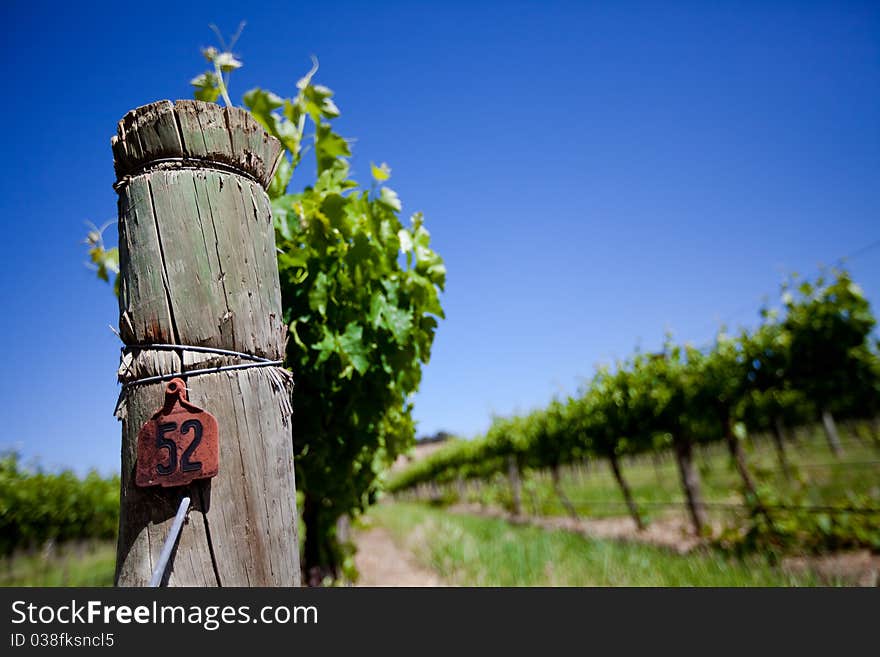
(179, 444)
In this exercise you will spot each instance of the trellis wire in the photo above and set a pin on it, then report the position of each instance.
(258, 361)
(279, 376)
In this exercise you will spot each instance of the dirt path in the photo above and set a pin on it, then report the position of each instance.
(381, 563)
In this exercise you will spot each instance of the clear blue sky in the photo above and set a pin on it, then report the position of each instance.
(593, 174)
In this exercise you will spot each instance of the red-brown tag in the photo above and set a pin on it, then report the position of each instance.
(179, 444)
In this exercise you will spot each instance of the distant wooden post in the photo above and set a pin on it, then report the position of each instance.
(513, 476)
(198, 268)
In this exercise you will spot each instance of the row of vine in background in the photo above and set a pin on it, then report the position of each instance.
(813, 361)
(36, 507)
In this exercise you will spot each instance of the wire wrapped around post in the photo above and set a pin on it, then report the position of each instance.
(200, 300)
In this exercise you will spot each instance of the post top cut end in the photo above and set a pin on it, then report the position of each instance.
(193, 132)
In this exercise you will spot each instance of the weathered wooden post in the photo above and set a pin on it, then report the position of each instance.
(198, 272)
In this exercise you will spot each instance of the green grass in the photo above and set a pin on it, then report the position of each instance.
(80, 564)
(594, 492)
(478, 551)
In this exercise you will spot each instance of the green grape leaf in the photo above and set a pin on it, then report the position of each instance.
(380, 173)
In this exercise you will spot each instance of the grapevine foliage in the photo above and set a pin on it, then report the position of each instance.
(361, 298)
(818, 355)
(36, 507)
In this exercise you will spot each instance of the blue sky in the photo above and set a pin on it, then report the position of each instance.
(594, 174)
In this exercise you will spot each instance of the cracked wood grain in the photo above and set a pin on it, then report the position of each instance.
(198, 267)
